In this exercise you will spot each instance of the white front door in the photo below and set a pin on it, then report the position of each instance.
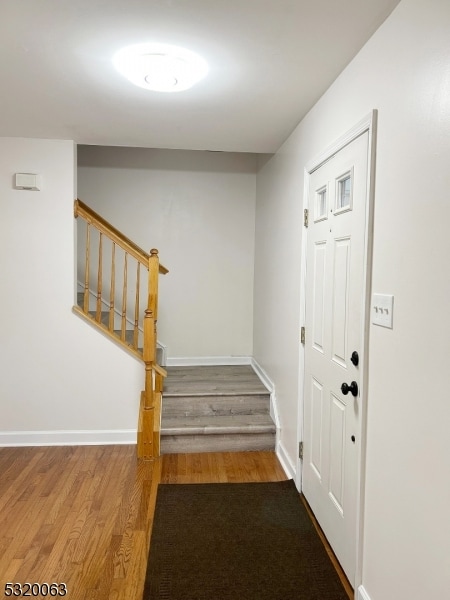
(335, 291)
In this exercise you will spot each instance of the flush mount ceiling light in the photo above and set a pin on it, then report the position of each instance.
(160, 67)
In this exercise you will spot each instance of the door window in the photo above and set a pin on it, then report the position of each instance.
(344, 192)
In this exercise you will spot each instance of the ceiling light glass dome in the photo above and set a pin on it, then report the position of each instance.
(160, 67)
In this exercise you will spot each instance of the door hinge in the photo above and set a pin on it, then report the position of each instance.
(306, 217)
(300, 450)
(302, 335)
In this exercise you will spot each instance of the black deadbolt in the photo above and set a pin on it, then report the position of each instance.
(353, 388)
(355, 358)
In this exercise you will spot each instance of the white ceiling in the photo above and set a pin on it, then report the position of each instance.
(270, 60)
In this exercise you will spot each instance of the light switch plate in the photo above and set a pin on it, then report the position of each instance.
(383, 310)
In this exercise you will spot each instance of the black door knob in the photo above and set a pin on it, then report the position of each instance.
(355, 358)
(353, 388)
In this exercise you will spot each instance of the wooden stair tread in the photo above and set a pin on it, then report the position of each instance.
(205, 410)
(223, 424)
(215, 408)
(213, 380)
(212, 391)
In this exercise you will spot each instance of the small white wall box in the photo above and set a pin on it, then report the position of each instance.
(27, 181)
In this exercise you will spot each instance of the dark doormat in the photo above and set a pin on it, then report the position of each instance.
(236, 541)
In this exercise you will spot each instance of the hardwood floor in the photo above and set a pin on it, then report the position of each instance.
(221, 467)
(82, 515)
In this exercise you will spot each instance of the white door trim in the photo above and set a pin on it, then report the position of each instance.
(368, 124)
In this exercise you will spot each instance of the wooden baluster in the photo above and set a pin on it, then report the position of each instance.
(98, 314)
(124, 299)
(136, 308)
(86, 269)
(113, 286)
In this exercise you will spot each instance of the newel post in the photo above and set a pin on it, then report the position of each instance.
(147, 409)
(149, 428)
(153, 275)
(149, 356)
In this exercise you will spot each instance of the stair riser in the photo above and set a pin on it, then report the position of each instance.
(217, 443)
(215, 405)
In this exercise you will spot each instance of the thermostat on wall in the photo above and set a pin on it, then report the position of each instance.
(27, 181)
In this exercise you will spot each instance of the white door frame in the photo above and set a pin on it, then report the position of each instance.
(368, 124)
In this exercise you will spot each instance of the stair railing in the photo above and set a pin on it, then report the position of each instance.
(123, 308)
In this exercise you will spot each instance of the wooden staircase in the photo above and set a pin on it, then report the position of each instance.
(215, 408)
(112, 298)
(205, 409)
(129, 331)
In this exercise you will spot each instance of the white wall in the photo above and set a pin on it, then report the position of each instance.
(57, 373)
(198, 209)
(404, 72)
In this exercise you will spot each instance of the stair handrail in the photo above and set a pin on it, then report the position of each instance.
(83, 210)
(150, 408)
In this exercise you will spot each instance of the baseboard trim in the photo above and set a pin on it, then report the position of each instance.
(205, 361)
(67, 438)
(264, 377)
(285, 461)
(362, 594)
(163, 349)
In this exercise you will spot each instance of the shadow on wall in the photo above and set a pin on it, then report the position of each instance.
(166, 160)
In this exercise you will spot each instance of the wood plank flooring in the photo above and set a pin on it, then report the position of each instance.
(83, 515)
